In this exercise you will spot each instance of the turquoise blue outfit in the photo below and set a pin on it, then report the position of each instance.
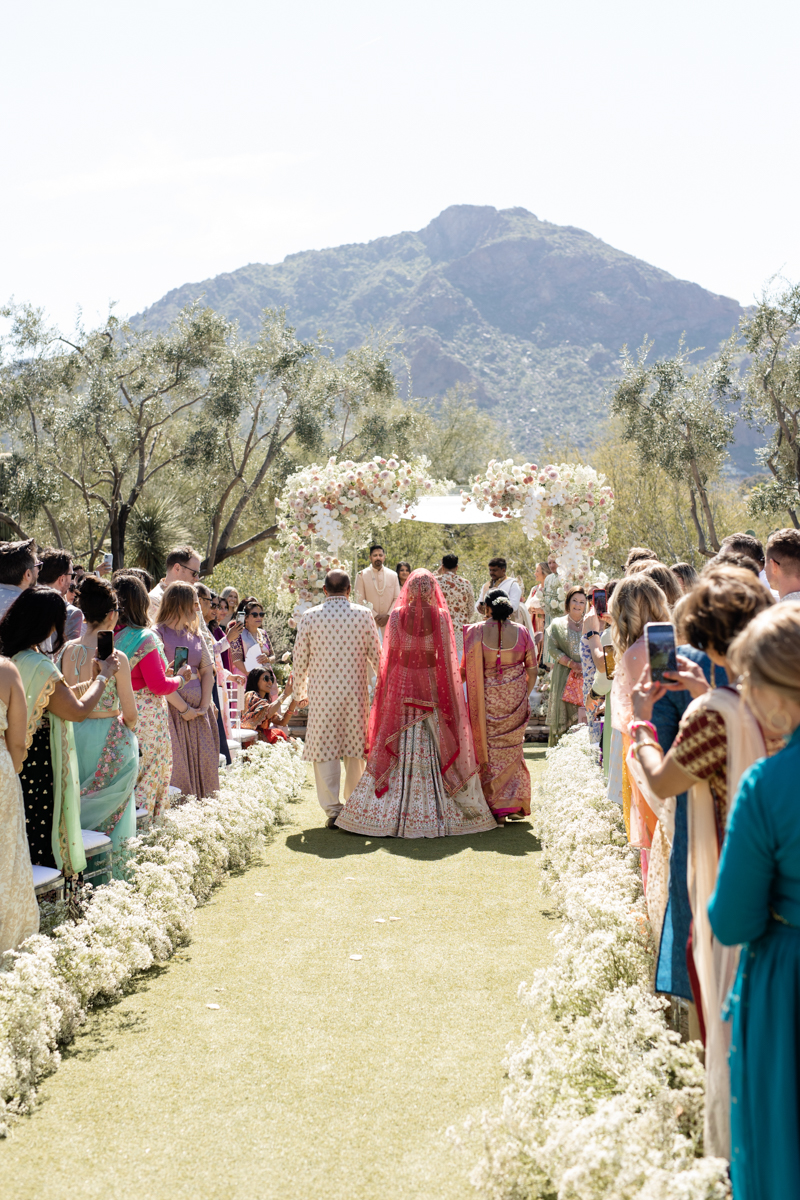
(757, 903)
(108, 764)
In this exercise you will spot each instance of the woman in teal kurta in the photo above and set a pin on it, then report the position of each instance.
(757, 904)
(563, 641)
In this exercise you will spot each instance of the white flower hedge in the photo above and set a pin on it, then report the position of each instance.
(603, 1101)
(50, 983)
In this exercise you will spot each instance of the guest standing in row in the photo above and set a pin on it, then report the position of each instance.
(50, 777)
(250, 647)
(499, 668)
(402, 571)
(106, 745)
(566, 677)
(56, 571)
(19, 912)
(195, 736)
(152, 687)
(19, 569)
(183, 566)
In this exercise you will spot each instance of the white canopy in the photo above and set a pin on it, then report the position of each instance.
(446, 510)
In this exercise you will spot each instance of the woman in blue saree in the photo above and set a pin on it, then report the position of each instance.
(757, 904)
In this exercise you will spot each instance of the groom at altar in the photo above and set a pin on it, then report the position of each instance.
(337, 643)
(378, 588)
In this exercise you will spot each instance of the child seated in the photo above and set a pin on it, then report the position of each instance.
(262, 705)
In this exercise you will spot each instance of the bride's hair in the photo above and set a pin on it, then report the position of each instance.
(499, 604)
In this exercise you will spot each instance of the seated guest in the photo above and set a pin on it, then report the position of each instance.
(56, 571)
(263, 703)
(195, 737)
(19, 567)
(183, 566)
(108, 752)
(50, 776)
(19, 912)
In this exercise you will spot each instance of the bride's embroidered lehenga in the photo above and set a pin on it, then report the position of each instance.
(421, 778)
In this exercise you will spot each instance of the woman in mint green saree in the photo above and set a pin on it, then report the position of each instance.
(108, 753)
(49, 776)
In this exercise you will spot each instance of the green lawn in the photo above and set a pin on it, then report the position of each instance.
(318, 1075)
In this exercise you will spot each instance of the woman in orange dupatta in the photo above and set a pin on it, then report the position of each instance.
(499, 667)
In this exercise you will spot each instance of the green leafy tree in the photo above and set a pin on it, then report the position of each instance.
(680, 420)
(771, 400)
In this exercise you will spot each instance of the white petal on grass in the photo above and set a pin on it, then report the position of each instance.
(258, 893)
(212, 1006)
(380, 920)
(395, 918)
(356, 957)
(349, 877)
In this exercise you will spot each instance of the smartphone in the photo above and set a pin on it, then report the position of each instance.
(240, 616)
(181, 658)
(611, 661)
(599, 601)
(105, 644)
(108, 559)
(659, 638)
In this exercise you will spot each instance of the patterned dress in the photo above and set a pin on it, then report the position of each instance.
(19, 912)
(152, 729)
(561, 638)
(336, 644)
(460, 600)
(195, 744)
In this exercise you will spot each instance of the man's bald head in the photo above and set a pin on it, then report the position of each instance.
(337, 583)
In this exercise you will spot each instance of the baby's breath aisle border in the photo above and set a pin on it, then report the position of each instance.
(603, 1100)
(49, 984)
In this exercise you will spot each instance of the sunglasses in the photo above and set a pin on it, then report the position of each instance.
(189, 571)
(255, 614)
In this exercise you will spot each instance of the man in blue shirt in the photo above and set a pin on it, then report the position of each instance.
(19, 569)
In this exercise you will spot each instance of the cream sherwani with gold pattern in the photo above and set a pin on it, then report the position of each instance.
(336, 644)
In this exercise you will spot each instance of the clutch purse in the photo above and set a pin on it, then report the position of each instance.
(573, 688)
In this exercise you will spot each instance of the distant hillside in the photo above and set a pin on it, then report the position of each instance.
(530, 315)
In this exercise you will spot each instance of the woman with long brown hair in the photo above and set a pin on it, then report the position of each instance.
(194, 735)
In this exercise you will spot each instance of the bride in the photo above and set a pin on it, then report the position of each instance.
(421, 778)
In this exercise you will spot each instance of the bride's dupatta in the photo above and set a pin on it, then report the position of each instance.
(39, 678)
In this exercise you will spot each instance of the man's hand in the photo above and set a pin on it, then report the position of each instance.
(381, 621)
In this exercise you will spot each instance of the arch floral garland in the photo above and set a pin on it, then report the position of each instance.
(568, 504)
(323, 508)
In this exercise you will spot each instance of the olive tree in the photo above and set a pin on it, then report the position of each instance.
(679, 418)
(771, 399)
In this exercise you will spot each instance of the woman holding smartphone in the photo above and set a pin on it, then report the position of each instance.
(194, 735)
(107, 749)
(252, 647)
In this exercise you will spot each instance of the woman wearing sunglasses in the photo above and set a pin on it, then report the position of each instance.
(252, 647)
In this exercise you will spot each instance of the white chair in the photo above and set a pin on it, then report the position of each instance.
(244, 736)
(97, 848)
(174, 791)
(47, 880)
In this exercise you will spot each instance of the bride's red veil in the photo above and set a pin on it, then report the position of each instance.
(419, 678)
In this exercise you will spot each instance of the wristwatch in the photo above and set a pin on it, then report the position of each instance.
(592, 633)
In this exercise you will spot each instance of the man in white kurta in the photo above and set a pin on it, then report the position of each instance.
(378, 587)
(336, 644)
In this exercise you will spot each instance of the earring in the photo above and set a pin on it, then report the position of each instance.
(779, 721)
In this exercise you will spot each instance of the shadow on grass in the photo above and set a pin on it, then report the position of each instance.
(515, 839)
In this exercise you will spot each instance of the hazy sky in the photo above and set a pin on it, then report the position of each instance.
(154, 143)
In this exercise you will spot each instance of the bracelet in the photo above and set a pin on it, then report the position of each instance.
(634, 725)
(637, 746)
(592, 633)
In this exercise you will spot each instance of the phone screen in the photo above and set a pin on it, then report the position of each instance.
(105, 644)
(181, 658)
(660, 641)
(611, 661)
(599, 600)
(240, 616)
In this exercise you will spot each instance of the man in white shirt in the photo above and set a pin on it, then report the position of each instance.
(19, 568)
(783, 563)
(57, 572)
(499, 579)
(183, 566)
(378, 588)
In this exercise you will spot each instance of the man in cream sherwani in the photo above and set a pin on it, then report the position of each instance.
(378, 588)
(336, 644)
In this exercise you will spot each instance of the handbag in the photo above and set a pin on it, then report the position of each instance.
(573, 688)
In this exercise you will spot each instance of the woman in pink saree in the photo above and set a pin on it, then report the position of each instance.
(421, 778)
(499, 666)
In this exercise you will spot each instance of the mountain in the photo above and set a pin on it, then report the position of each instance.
(529, 315)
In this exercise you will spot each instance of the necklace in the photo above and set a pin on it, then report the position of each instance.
(375, 576)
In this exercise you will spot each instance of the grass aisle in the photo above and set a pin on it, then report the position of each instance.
(318, 1075)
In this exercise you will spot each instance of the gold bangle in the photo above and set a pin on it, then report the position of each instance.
(637, 746)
